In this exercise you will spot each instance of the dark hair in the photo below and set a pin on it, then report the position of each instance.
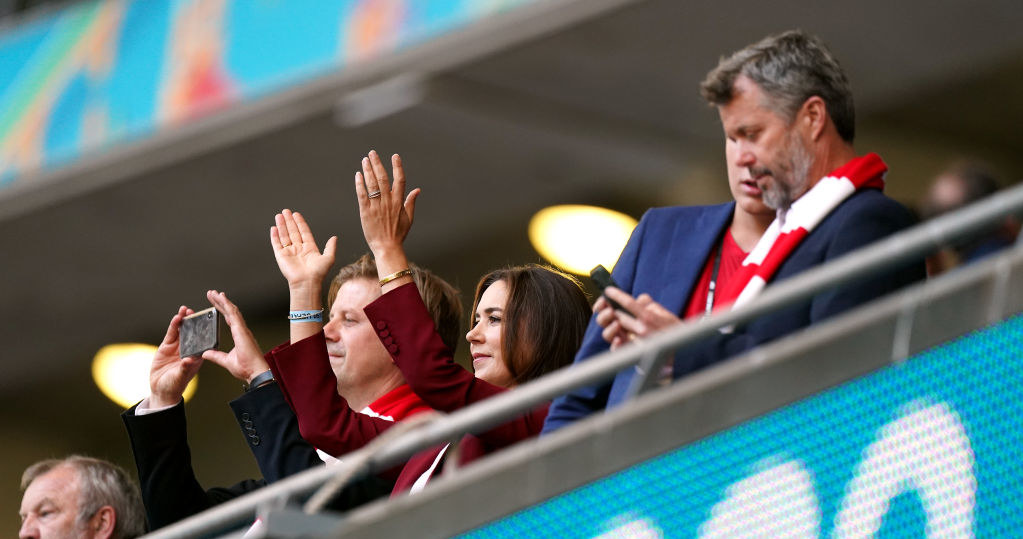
(441, 299)
(545, 318)
(975, 180)
(790, 68)
(100, 483)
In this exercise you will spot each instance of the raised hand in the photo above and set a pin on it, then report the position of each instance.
(296, 252)
(170, 374)
(245, 360)
(385, 210)
(386, 214)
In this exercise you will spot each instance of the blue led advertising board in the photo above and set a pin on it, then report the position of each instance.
(929, 447)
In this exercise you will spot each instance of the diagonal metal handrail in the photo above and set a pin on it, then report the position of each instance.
(908, 245)
(898, 249)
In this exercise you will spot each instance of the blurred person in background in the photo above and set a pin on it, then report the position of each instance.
(156, 426)
(79, 497)
(959, 185)
(788, 118)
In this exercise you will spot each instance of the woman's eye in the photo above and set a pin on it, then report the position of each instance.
(494, 319)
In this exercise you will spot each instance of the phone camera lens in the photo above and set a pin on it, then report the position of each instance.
(209, 315)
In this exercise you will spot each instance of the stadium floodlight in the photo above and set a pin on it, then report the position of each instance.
(122, 372)
(576, 237)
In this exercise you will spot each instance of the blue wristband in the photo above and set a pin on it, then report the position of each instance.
(306, 316)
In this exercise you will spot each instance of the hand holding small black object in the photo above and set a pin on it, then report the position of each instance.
(603, 279)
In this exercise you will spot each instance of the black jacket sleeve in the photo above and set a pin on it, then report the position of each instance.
(271, 432)
(170, 490)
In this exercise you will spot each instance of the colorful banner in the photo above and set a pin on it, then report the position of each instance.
(100, 73)
(925, 448)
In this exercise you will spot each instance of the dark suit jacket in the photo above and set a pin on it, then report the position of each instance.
(160, 444)
(405, 327)
(668, 249)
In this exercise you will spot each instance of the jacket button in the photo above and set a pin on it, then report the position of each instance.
(383, 333)
(245, 416)
(381, 324)
(389, 341)
(393, 348)
(255, 440)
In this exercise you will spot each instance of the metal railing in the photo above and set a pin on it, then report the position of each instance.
(911, 244)
(719, 400)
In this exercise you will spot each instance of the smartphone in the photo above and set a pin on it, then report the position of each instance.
(199, 332)
(602, 278)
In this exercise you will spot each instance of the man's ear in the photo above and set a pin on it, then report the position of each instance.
(103, 522)
(813, 117)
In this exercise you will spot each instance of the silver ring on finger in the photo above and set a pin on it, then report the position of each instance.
(374, 194)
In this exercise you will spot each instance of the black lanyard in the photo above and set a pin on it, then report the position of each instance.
(713, 279)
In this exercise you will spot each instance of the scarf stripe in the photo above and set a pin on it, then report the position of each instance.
(790, 227)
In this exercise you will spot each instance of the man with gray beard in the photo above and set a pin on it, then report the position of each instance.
(788, 118)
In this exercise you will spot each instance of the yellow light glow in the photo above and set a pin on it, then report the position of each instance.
(122, 373)
(576, 238)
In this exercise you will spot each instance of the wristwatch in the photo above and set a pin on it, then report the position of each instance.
(259, 380)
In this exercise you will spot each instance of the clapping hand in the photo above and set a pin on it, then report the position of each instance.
(385, 211)
(296, 252)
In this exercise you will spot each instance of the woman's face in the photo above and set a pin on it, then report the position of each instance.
(485, 336)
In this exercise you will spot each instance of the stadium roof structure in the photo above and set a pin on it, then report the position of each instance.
(116, 216)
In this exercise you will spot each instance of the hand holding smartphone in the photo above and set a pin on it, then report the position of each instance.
(603, 279)
(199, 332)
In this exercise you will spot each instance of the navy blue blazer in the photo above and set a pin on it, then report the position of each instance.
(667, 252)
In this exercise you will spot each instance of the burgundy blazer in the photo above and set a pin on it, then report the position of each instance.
(406, 329)
(303, 372)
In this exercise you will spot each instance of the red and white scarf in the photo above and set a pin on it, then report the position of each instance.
(786, 231)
